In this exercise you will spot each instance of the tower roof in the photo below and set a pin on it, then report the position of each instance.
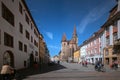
(64, 37)
(74, 32)
(72, 41)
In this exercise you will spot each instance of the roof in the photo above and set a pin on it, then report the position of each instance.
(64, 37)
(23, 1)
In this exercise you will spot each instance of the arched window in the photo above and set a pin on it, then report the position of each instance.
(8, 58)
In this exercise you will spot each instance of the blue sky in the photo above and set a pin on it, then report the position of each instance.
(56, 17)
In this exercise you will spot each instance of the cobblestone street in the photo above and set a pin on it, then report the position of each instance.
(73, 71)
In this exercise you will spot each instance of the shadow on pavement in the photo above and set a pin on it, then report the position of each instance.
(21, 74)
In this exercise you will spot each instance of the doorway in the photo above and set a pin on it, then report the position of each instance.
(8, 57)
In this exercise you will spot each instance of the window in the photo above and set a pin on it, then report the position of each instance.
(8, 40)
(36, 53)
(114, 37)
(27, 35)
(20, 8)
(116, 49)
(31, 39)
(95, 50)
(21, 28)
(106, 52)
(35, 43)
(25, 48)
(27, 19)
(7, 14)
(31, 26)
(67, 43)
(20, 46)
(107, 41)
(107, 29)
(64, 44)
(115, 23)
(92, 52)
(35, 32)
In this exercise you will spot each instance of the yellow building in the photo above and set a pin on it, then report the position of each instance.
(112, 53)
(41, 49)
(77, 55)
(112, 36)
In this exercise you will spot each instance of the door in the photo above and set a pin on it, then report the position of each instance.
(8, 58)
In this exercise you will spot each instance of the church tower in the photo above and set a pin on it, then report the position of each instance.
(74, 39)
(74, 36)
(68, 46)
(73, 44)
(64, 48)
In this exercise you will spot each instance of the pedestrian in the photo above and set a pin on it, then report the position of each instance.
(97, 64)
(82, 63)
(112, 65)
(6, 71)
(116, 63)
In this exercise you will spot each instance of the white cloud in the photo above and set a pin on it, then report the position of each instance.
(49, 34)
(94, 15)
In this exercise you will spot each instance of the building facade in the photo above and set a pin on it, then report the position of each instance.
(112, 36)
(68, 47)
(83, 52)
(91, 49)
(19, 35)
(104, 45)
(77, 55)
(41, 49)
(55, 59)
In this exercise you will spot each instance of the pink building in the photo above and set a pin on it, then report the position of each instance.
(93, 48)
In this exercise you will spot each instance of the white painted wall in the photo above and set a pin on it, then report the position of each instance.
(19, 56)
(118, 20)
(111, 35)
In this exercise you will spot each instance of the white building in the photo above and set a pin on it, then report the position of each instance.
(18, 34)
(105, 45)
(83, 52)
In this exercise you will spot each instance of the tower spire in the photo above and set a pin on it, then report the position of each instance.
(64, 37)
(74, 32)
(74, 37)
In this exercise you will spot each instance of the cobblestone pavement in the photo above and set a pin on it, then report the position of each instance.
(73, 71)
